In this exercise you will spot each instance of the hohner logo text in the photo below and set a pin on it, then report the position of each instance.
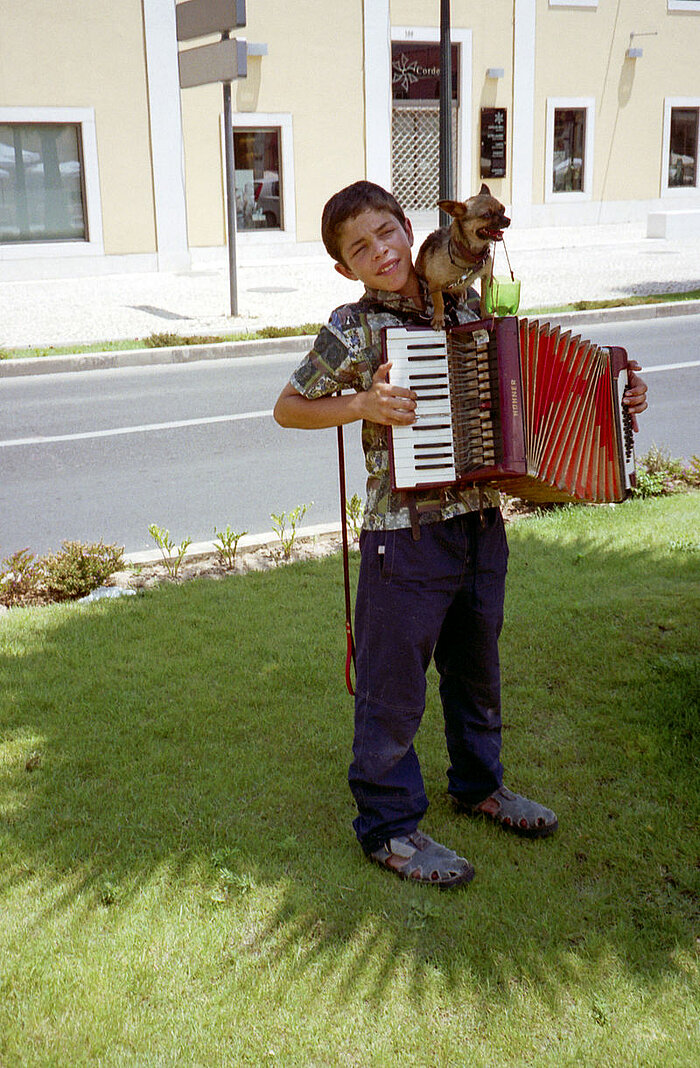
(514, 395)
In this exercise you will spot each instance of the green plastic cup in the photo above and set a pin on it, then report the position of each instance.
(501, 295)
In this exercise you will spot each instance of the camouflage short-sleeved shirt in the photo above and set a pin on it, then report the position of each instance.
(345, 355)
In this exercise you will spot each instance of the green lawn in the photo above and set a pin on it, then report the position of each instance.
(180, 884)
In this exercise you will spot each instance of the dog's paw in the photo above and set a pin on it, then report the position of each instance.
(438, 322)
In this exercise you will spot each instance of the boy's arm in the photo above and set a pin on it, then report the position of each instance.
(381, 403)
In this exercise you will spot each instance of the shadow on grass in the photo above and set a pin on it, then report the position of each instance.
(205, 728)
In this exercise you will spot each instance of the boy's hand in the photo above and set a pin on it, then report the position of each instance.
(388, 404)
(635, 396)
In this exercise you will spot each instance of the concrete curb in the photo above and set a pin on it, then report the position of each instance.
(100, 361)
(612, 315)
(103, 361)
(202, 549)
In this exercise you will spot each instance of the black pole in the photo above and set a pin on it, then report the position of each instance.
(230, 194)
(446, 176)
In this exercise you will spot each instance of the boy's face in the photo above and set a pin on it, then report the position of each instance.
(376, 250)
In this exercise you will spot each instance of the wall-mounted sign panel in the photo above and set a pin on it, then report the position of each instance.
(493, 142)
(221, 62)
(197, 18)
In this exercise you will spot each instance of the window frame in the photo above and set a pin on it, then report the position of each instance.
(667, 190)
(283, 122)
(93, 244)
(554, 104)
(691, 6)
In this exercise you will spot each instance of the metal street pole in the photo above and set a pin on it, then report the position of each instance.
(230, 194)
(446, 176)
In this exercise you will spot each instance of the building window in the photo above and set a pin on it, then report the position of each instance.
(569, 150)
(683, 148)
(41, 183)
(681, 175)
(569, 163)
(684, 5)
(257, 156)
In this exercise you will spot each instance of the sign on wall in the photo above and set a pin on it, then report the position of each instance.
(493, 142)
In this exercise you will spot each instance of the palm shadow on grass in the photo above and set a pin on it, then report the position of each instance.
(205, 727)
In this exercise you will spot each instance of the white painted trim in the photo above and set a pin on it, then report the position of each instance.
(523, 124)
(554, 103)
(281, 120)
(94, 245)
(167, 144)
(677, 191)
(693, 6)
(377, 85)
(463, 39)
(573, 3)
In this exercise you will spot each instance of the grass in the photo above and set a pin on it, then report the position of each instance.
(619, 302)
(180, 884)
(311, 329)
(160, 340)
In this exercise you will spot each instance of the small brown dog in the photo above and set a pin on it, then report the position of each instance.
(452, 257)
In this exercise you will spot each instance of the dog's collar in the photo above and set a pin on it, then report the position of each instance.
(461, 256)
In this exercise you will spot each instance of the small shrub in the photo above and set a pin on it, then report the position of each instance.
(353, 511)
(289, 331)
(172, 554)
(287, 535)
(20, 579)
(659, 474)
(691, 473)
(78, 568)
(658, 461)
(171, 341)
(227, 545)
(649, 484)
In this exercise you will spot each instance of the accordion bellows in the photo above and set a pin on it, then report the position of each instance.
(512, 402)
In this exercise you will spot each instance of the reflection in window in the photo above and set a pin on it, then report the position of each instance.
(569, 143)
(41, 187)
(257, 161)
(683, 150)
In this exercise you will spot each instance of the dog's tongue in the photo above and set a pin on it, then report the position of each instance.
(495, 235)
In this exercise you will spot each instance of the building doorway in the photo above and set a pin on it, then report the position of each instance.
(415, 126)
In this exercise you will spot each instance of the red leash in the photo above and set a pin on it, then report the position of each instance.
(350, 654)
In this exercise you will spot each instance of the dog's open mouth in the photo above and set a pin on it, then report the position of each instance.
(488, 233)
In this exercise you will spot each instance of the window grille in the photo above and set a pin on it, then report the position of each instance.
(415, 154)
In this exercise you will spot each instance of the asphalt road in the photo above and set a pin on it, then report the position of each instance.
(102, 454)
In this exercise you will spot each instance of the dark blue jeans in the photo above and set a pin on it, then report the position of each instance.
(440, 596)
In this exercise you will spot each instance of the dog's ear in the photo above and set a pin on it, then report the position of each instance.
(484, 191)
(455, 208)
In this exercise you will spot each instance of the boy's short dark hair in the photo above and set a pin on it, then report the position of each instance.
(349, 202)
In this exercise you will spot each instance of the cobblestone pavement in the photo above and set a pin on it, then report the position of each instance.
(291, 287)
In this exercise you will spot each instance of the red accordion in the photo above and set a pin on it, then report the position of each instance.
(517, 403)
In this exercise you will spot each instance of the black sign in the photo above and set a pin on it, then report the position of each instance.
(493, 142)
(415, 71)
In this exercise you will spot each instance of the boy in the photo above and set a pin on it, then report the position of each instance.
(433, 564)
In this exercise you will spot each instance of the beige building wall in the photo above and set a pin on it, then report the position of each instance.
(313, 71)
(334, 106)
(581, 52)
(90, 55)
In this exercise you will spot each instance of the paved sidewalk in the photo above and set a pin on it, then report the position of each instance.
(290, 287)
